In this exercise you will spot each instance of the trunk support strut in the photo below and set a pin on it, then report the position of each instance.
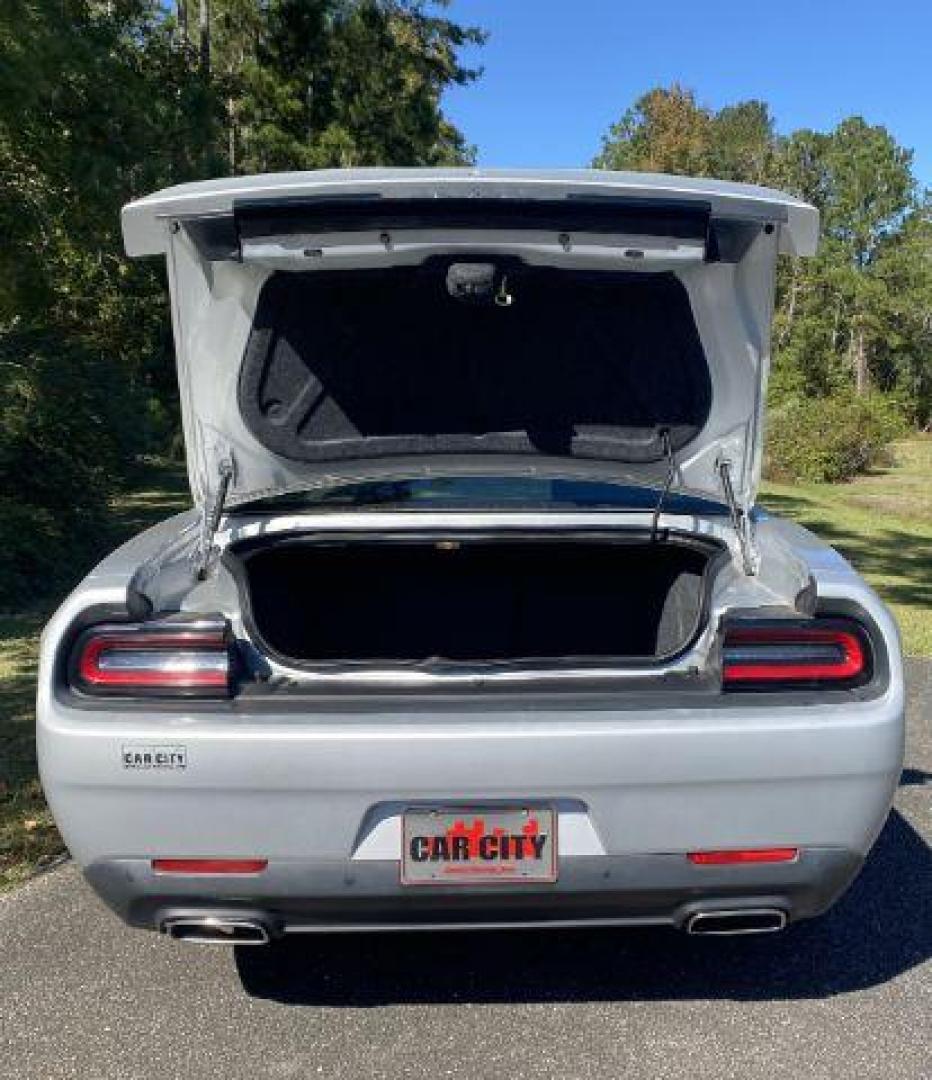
(211, 519)
(668, 481)
(740, 519)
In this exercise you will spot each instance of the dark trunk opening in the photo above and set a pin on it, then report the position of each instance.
(473, 600)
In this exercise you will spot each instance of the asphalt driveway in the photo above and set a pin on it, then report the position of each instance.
(847, 996)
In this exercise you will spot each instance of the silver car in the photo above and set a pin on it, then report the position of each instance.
(474, 621)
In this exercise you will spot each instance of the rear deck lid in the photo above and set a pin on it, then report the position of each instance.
(336, 327)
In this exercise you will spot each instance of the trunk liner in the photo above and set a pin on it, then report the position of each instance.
(364, 365)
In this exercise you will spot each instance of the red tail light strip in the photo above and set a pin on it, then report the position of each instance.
(209, 866)
(792, 654)
(747, 855)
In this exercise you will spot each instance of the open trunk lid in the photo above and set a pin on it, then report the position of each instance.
(617, 329)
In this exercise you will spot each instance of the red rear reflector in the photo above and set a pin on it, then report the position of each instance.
(168, 660)
(792, 654)
(750, 855)
(209, 866)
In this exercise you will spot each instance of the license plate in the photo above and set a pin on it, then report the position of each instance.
(479, 846)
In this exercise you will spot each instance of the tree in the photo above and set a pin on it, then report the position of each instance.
(313, 83)
(901, 275)
(858, 314)
(870, 187)
(861, 180)
(665, 131)
(103, 102)
(742, 143)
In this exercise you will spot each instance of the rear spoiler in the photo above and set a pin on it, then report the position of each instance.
(220, 237)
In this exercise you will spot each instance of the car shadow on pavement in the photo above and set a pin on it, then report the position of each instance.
(881, 928)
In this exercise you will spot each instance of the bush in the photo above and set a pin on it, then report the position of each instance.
(829, 439)
(71, 426)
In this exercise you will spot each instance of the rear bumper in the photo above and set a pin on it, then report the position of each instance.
(303, 897)
(319, 796)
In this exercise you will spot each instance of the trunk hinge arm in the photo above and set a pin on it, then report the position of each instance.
(210, 520)
(667, 483)
(740, 519)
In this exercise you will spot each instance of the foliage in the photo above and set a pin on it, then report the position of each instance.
(832, 438)
(28, 837)
(314, 83)
(668, 131)
(859, 315)
(665, 131)
(101, 103)
(70, 420)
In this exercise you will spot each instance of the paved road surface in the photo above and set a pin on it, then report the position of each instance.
(849, 996)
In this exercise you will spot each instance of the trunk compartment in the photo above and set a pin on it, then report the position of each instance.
(312, 601)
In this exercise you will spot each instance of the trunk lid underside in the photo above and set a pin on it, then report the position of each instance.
(620, 331)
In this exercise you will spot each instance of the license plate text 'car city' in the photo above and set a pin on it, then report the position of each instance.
(478, 847)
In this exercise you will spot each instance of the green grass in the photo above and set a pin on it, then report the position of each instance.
(28, 837)
(882, 523)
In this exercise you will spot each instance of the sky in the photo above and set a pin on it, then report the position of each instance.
(559, 72)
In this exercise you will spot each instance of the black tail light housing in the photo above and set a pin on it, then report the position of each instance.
(821, 653)
(181, 657)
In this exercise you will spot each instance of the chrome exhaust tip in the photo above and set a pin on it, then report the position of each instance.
(216, 930)
(737, 921)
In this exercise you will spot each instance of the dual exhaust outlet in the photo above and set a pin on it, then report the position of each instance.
(233, 930)
(729, 923)
(217, 930)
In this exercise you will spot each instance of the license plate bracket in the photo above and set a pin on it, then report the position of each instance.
(479, 845)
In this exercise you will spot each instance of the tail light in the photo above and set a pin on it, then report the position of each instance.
(185, 657)
(209, 866)
(774, 655)
(743, 856)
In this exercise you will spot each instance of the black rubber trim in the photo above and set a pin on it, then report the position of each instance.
(684, 219)
(350, 894)
(218, 237)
